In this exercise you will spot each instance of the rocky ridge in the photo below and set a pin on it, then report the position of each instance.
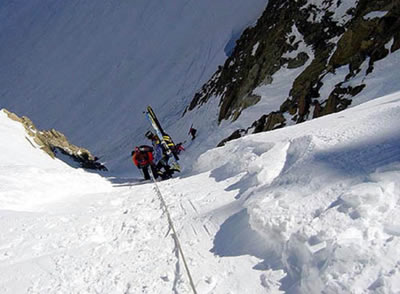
(320, 36)
(54, 142)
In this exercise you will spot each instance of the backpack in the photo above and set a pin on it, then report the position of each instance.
(145, 148)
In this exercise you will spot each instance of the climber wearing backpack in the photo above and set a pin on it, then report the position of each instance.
(160, 156)
(142, 157)
(168, 140)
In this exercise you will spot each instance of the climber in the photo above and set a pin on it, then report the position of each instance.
(143, 158)
(167, 139)
(179, 147)
(192, 131)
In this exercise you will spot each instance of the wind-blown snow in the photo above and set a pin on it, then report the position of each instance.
(309, 208)
(325, 197)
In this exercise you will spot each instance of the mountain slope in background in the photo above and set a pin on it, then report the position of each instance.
(305, 59)
(103, 62)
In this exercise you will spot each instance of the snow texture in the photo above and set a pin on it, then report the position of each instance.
(324, 197)
(311, 208)
(307, 209)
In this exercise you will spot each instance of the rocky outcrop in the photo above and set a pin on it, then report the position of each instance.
(334, 36)
(52, 142)
(235, 135)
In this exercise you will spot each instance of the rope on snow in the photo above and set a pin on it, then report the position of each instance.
(174, 234)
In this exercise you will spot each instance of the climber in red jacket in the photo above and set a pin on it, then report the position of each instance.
(142, 157)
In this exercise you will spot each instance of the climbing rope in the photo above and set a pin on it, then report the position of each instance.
(174, 234)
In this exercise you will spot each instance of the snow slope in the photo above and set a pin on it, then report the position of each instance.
(30, 178)
(68, 231)
(307, 209)
(310, 208)
(89, 69)
(105, 61)
(325, 197)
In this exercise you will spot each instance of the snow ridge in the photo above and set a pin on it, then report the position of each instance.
(324, 198)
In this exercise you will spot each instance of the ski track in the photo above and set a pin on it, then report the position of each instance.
(109, 240)
(116, 243)
(319, 205)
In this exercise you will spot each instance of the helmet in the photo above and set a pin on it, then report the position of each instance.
(149, 135)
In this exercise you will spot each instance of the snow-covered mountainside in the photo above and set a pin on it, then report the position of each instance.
(90, 68)
(105, 62)
(310, 208)
(305, 59)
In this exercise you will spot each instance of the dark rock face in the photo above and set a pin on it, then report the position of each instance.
(235, 135)
(52, 142)
(263, 49)
(272, 121)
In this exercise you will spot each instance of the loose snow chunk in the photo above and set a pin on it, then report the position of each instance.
(317, 247)
(272, 163)
(375, 14)
(241, 158)
(367, 193)
(270, 279)
(351, 235)
(392, 229)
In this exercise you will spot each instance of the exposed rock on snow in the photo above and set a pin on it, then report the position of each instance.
(317, 37)
(53, 142)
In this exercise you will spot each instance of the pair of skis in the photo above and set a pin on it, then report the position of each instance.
(151, 116)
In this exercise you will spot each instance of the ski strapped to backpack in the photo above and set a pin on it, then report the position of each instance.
(161, 134)
(167, 138)
(154, 118)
